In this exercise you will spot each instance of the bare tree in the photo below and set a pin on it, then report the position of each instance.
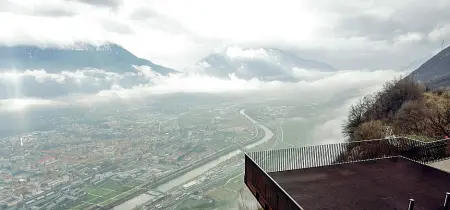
(369, 130)
(438, 117)
(394, 94)
(410, 118)
(383, 105)
(356, 116)
(430, 117)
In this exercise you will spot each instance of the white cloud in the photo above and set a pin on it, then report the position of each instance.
(187, 84)
(146, 71)
(43, 76)
(309, 74)
(330, 131)
(178, 33)
(324, 88)
(409, 38)
(440, 33)
(101, 84)
(239, 53)
(321, 87)
(40, 8)
(21, 104)
(240, 21)
(146, 82)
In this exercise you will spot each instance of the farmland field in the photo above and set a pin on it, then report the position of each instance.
(105, 193)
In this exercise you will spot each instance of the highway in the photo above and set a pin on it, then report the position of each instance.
(187, 176)
(268, 134)
(167, 203)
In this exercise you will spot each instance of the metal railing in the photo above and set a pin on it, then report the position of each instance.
(329, 154)
(271, 196)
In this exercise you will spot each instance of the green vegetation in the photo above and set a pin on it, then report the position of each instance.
(90, 197)
(82, 206)
(227, 192)
(96, 191)
(406, 106)
(200, 118)
(200, 204)
(112, 185)
(105, 193)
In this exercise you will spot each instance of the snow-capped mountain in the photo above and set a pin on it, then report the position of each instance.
(49, 72)
(263, 63)
(108, 57)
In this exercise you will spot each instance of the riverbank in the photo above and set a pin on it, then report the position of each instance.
(197, 171)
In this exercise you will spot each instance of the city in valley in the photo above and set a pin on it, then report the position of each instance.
(141, 156)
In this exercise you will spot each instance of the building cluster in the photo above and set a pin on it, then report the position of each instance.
(53, 168)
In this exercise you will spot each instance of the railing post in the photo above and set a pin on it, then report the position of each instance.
(447, 201)
(411, 204)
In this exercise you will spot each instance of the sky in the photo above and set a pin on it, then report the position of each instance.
(348, 34)
(367, 41)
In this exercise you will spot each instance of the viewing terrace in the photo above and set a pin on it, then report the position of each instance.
(374, 175)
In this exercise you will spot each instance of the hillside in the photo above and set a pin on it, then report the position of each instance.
(262, 63)
(417, 105)
(404, 107)
(436, 71)
(109, 57)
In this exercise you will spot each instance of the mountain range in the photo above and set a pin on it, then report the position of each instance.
(266, 64)
(108, 57)
(47, 72)
(435, 72)
(262, 63)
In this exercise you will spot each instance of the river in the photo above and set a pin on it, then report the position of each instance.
(141, 199)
